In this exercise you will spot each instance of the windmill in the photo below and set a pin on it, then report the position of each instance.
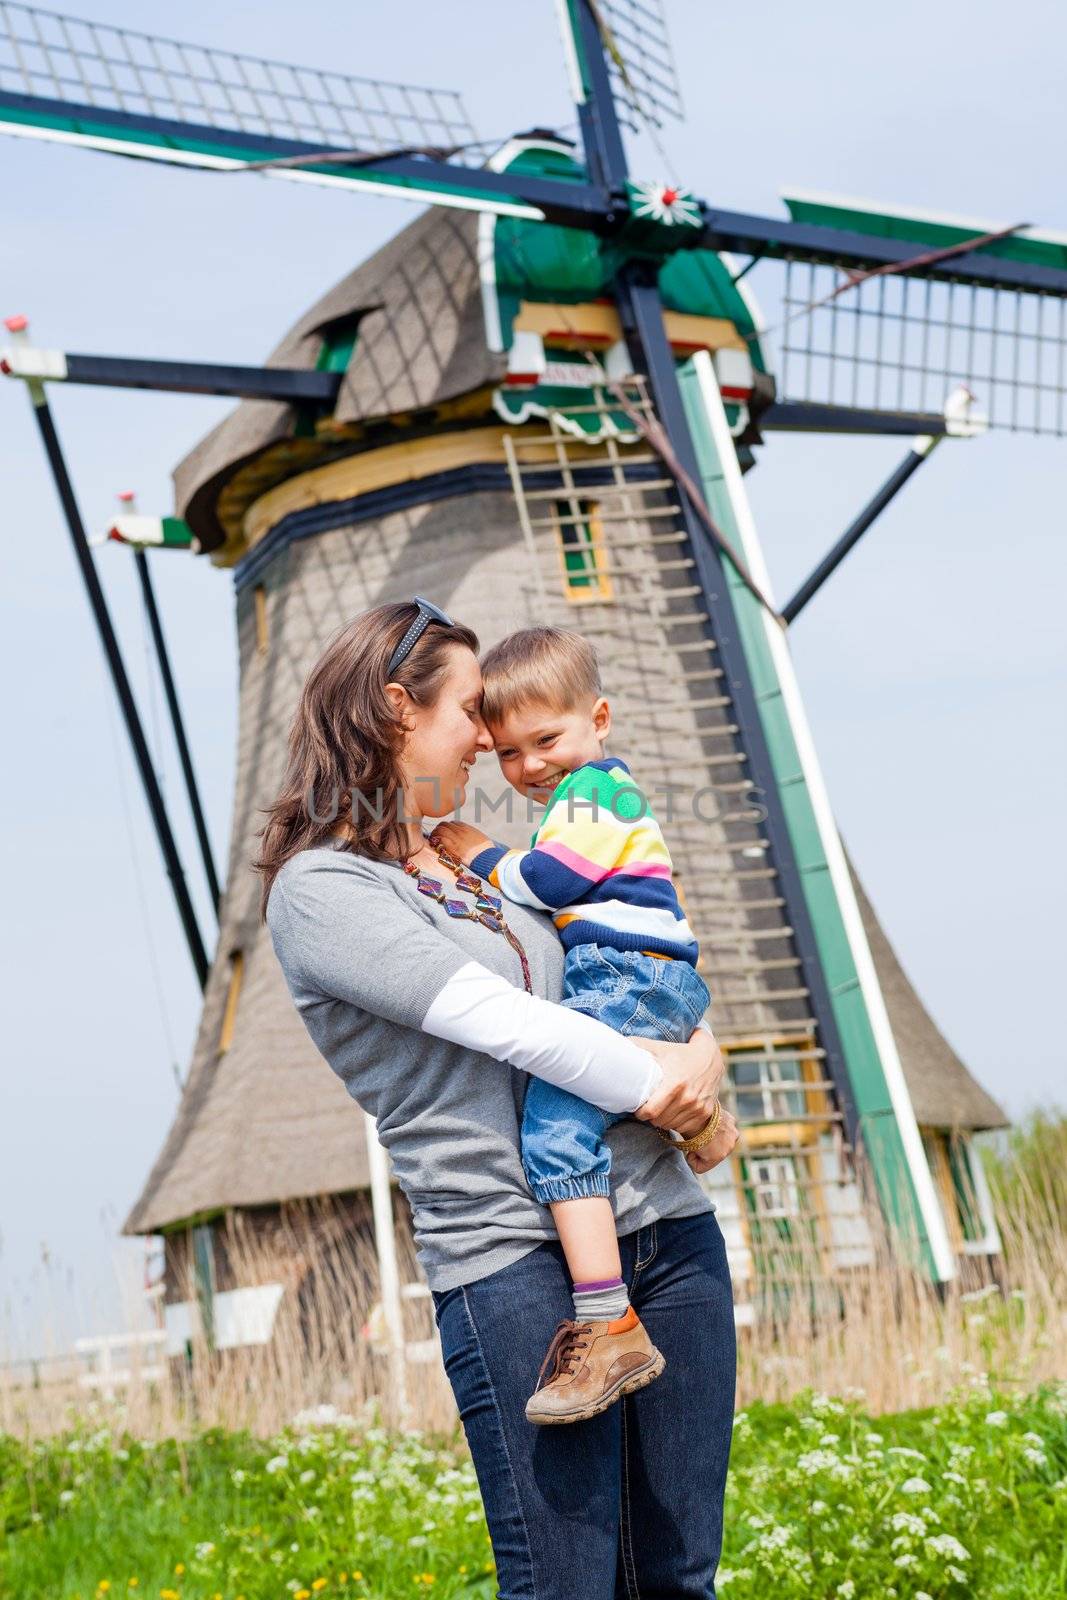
(541, 398)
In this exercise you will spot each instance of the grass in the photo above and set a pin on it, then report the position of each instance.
(940, 1472)
(968, 1498)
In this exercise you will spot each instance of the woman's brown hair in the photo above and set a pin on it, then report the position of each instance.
(346, 739)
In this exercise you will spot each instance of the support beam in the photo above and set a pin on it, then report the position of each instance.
(178, 726)
(124, 692)
(811, 416)
(292, 385)
(920, 452)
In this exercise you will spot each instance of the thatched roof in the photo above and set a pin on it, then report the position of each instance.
(421, 341)
(942, 1090)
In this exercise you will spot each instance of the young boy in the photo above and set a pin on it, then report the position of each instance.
(599, 863)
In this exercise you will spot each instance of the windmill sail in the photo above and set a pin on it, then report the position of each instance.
(137, 94)
(898, 342)
(641, 61)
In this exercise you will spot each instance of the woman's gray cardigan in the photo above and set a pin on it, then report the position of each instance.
(364, 955)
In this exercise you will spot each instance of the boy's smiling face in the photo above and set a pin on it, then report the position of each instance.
(538, 745)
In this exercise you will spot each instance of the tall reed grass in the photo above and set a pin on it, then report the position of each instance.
(880, 1332)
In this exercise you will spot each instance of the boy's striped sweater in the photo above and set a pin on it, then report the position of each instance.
(599, 863)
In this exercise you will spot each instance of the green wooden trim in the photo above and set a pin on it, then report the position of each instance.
(194, 1221)
(571, 19)
(878, 1124)
(1034, 249)
(157, 146)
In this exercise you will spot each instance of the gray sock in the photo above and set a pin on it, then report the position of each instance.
(593, 1302)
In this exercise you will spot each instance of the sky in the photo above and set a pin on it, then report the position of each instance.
(931, 665)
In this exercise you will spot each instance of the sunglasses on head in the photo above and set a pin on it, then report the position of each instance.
(427, 613)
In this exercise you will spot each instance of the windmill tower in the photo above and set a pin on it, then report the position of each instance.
(489, 471)
(538, 404)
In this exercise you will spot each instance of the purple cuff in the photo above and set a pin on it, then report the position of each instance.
(603, 1283)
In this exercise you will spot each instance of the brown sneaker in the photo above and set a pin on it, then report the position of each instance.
(589, 1365)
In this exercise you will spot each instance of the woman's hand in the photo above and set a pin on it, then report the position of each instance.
(692, 1074)
(717, 1149)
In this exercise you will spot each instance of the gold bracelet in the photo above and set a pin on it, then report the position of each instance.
(706, 1134)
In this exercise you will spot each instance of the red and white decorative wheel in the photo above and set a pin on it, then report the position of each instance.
(665, 203)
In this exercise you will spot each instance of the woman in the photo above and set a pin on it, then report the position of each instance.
(419, 1000)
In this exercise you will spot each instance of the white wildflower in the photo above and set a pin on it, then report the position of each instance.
(904, 1450)
(996, 1419)
(776, 1539)
(905, 1561)
(818, 1508)
(816, 1461)
(943, 1544)
(277, 1464)
(308, 1475)
(907, 1522)
(846, 1590)
(915, 1486)
(66, 1497)
(1036, 1458)
(956, 1574)
(238, 1476)
(417, 1541)
(204, 1550)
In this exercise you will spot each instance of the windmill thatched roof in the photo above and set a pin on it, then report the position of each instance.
(421, 341)
(942, 1090)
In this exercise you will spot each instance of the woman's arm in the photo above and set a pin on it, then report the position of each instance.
(341, 930)
(481, 1010)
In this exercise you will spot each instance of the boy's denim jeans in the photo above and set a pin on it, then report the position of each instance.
(630, 1503)
(563, 1150)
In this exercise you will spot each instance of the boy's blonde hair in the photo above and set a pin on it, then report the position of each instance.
(538, 666)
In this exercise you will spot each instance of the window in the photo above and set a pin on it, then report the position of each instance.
(758, 1079)
(773, 1186)
(950, 1163)
(581, 548)
(203, 1252)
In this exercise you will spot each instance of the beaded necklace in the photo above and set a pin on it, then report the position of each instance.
(487, 908)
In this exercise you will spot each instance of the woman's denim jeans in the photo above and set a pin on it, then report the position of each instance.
(563, 1151)
(629, 1504)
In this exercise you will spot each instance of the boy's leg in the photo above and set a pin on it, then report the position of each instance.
(586, 1229)
(604, 1353)
(568, 1167)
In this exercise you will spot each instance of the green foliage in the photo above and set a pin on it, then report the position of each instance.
(1027, 1172)
(965, 1499)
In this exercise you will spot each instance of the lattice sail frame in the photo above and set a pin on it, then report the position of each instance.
(898, 344)
(789, 1202)
(79, 63)
(645, 77)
